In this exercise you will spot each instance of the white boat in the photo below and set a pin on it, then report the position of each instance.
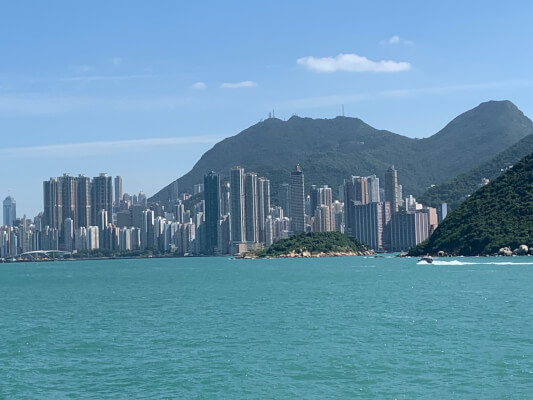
(427, 259)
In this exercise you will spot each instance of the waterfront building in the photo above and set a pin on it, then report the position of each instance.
(263, 206)
(391, 188)
(297, 200)
(124, 219)
(225, 198)
(118, 190)
(68, 234)
(250, 207)
(348, 191)
(360, 185)
(373, 189)
(212, 211)
(238, 232)
(9, 211)
(52, 203)
(93, 238)
(408, 229)
(371, 224)
(102, 196)
(269, 231)
(83, 203)
(285, 199)
(320, 196)
(80, 238)
(224, 235)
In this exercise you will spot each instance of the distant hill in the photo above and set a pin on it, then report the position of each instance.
(330, 150)
(455, 191)
(498, 215)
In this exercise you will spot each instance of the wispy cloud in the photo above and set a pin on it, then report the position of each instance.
(109, 77)
(397, 40)
(69, 150)
(351, 63)
(40, 104)
(238, 85)
(116, 60)
(199, 85)
(81, 69)
(333, 100)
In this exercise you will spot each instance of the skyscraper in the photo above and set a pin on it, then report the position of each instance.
(391, 188)
(285, 199)
(263, 206)
(371, 224)
(212, 210)
(297, 200)
(237, 205)
(68, 197)
(10, 211)
(250, 207)
(102, 197)
(83, 203)
(52, 199)
(373, 189)
(361, 189)
(118, 190)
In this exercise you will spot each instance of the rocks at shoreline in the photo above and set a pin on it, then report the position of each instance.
(307, 254)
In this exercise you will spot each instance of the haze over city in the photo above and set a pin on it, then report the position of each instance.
(143, 90)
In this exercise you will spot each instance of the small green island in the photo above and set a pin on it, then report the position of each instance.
(313, 244)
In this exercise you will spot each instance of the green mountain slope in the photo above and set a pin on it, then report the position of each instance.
(499, 214)
(330, 150)
(454, 191)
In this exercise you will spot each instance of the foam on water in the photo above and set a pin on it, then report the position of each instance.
(457, 262)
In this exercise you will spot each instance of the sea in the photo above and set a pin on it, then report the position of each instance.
(222, 328)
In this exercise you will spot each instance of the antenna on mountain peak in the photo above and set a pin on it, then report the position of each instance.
(343, 110)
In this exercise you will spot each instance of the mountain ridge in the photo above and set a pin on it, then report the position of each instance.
(330, 150)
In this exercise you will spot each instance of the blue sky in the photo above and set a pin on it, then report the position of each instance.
(142, 89)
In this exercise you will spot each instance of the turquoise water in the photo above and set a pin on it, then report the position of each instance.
(215, 328)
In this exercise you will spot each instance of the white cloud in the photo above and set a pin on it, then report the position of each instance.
(69, 150)
(199, 85)
(116, 60)
(237, 85)
(395, 39)
(351, 63)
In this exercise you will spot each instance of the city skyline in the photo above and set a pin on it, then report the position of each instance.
(235, 217)
(151, 82)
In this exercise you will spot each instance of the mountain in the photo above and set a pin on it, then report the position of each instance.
(498, 215)
(330, 150)
(454, 191)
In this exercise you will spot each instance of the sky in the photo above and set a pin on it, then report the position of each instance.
(142, 89)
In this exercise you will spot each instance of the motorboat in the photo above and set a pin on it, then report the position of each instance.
(427, 259)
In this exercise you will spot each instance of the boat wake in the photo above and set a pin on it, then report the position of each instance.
(457, 262)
